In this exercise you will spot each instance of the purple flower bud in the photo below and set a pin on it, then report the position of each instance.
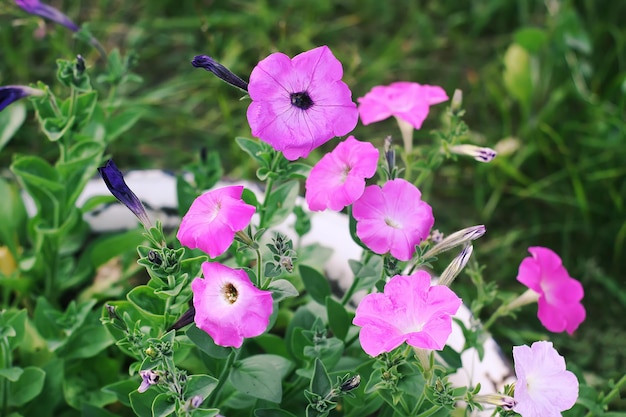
(12, 93)
(223, 73)
(38, 8)
(456, 266)
(149, 377)
(476, 152)
(114, 181)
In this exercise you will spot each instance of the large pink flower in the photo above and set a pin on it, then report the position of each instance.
(410, 310)
(298, 104)
(213, 218)
(544, 387)
(228, 307)
(338, 179)
(559, 295)
(405, 100)
(393, 218)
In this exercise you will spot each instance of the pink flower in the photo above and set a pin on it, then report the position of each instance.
(228, 307)
(543, 388)
(393, 218)
(559, 295)
(338, 179)
(213, 218)
(407, 101)
(298, 104)
(410, 310)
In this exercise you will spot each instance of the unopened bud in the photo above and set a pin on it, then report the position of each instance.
(458, 238)
(351, 383)
(478, 153)
(456, 266)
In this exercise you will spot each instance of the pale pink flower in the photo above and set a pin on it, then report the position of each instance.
(213, 218)
(228, 306)
(544, 387)
(406, 100)
(559, 303)
(338, 179)
(393, 218)
(410, 310)
(298, 104)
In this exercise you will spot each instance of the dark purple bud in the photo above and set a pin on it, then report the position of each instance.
(38, 8)
(114, 180)
(223, 73)
(12, 93)
(351, 383)
(187, 318)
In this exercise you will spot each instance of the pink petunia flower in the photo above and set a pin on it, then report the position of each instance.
(405, 100)
(298, 104)
(410, 310)
(338, 179)
(544, 387)
(213, 218)
(228, 306)
(559, 295)
(393, 218)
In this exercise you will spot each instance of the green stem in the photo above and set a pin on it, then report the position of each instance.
(5, 356)
(529, 296)
(614, 393)
(259, 269)
(234, 354)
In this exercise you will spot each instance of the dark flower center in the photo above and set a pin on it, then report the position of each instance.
(230, 293)
(301, 100)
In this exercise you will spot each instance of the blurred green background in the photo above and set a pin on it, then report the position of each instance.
(543, 83)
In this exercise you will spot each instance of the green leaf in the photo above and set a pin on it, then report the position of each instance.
(252, 148)
(320, 383)
(79, 167)
(90, 410)
(531, 39)
(87, 342)
(281, 289)
(41, 181)
(260, 376)
(163, 405)
(11, 119)
(451, 357)
(272, 412)
(315, 283)
(366, 274)
(13, 215)
(202, 385)
(16, 321)
(141, 403)
(517, 74)
(206, 344)
(12, 374)
(205, 412)
(27, 387)
(121, 122)
(122, 389)
(339, 319)
(280, 203)
(56, 127)
(144, 299)
(107, 247)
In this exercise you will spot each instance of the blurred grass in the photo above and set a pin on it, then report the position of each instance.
(564, 187)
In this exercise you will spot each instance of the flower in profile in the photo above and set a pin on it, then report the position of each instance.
(392, 218)
(299, 104)
(409, 310)
(228, 306)
(148, 378)
(11, 93)
(405, 100)
(338, 179)
(213, 219)
(544, 387)
(559, 295)
(480, 154)
(40, 9)
(114, 181)
(220, 71)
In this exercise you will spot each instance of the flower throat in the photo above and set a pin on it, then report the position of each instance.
(301, 100)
